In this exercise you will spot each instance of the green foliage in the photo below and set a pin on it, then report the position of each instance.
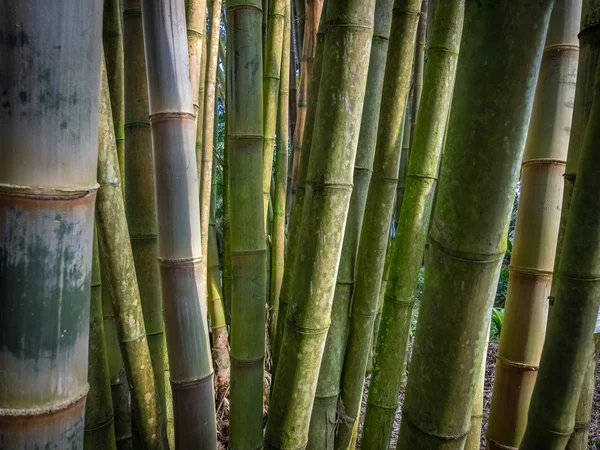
(418, 295)
(496, 323)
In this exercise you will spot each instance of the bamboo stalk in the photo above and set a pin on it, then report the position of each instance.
(569, 338)
(281, 176)
(486, 136)
(112, 39)
(473, 441)
(99, 431)
(178, 217)
(248, 251)
(378, 212)
(419, 66)
(536, 232)
(300, 7)
(140, 203)
(49, 80)
(346, 53)
(195, 16)
(323, 423)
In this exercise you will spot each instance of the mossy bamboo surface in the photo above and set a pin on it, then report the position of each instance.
(281, 176)
(416, 199)
(569, 338)
(117, 262)
(536, 232)
(375, 229)
(247, 233)
(99, 431)
(419, 66)
(323, 423)
(307, 55)
(285, 295)
(271, 78)
(491, 108)
(140, 202)
(346, 53)
(178, 218)
(208, 128)
(112, 39)
(49, 81)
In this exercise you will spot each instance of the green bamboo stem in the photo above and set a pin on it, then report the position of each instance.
(285, 294)
(207, 129)
(99, 431)
(378, 214)
(416, 199)
(308, 59)
(551, 418)
(346, 53)
(178, 218)
(226, 223)
(271, 78)
(140, 203)
(419, 66)
(323, 423)
(536, 232)
(48, 130)
(473, 441)
(117, 262)
(112, 39)
(491, 108)
(248, 244)
(281, 177)
(293, 112)
(300, 7)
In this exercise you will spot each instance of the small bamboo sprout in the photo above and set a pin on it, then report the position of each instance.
(49, 88)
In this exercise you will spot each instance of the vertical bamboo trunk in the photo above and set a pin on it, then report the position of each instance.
(301, 7)
(419, 66)
(226, 221)
(285, 295)
(307, 54)
(248, 251)
(178, 217)
(281, 172)
(486, 137)
(49, 80)
(378, 214)
(329, 185)
(112, 39)
(117, 262)
(140, 205)
(99, 418)
(569, 339)
(195, 15)
(389, 361)
(404, 157)
(208, 129)
(323, 423)
(271, 77)
(538, 217)
(473, 441)
(293, 111)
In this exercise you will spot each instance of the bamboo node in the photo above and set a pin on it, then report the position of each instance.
(581, 426)
(475, 258)
(305, 330)
(189, 261)
(529, 162)
(170, 115)
(531, 271)
(65, 193)
(380, 406)
(190, 384)
(104, 424)
(444, 437)
(50, 409)
(516, 364)
(499, 445)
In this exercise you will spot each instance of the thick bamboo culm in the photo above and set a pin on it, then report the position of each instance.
(116, 258)
(247, 233)
(322, 427)
(99, 417)
(536, 232)
(178, 217)
(346, 53)
(112, 39)
(48, 130)
(140, 202)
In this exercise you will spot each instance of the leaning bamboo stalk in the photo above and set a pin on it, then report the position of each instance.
(322, 430)
(419, 66)
(178, 217)
(271, 77)
(346, 53)
(117, 262)
(99, 418)
(300, 7)
(293, 111)
(569, 338)
(208, 129)
(486, 137)
(248, 244)
(48, 130)
(112, 39)
(140, 204)
(281, 176)
(536, 232)
(374, 232)
(416, 199)
(285, 294)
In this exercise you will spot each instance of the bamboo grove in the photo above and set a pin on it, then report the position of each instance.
(299, 224)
